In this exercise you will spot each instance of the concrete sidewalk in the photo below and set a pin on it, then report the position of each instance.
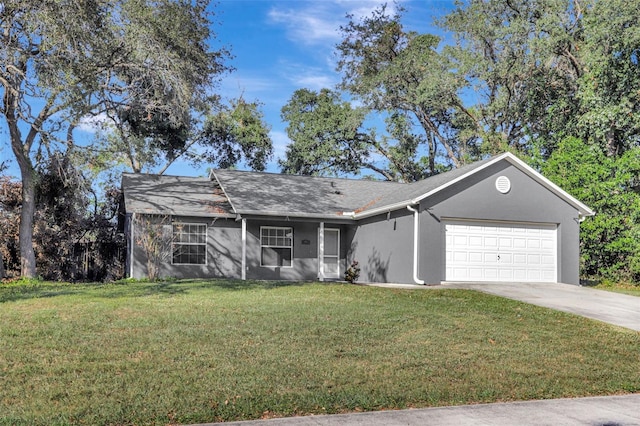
(623, 410)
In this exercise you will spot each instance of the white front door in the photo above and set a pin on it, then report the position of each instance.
(485, 251)
(330, 257)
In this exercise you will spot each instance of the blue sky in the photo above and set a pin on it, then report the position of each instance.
(282, 46)
(279, 46)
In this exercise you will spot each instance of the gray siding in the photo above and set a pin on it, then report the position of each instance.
(224, 251)
(476, 198)
(383, 247)
(305, 251)
(383, 244)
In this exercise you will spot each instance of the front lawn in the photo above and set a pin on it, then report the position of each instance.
(631, 289)
(194, 351)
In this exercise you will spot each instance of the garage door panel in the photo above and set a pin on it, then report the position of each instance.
(520, 259)
(475, 241)
(459, 257)
(506, 258)
(520, 243)
(491, 242)
(520, 275)
(548, 244)
(548, 260)
(477, 251)
(476, 257)
(490, 257)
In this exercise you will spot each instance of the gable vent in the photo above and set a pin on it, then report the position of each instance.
(503, 184)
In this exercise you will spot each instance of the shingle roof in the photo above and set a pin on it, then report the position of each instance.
(300, 196)
(231, 192)
(310, 196)
(174, 195)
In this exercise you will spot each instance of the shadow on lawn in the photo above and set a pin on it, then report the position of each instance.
(23, 291)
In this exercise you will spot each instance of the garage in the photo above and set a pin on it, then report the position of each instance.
(496, 251)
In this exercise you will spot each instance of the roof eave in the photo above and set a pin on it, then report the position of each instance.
(384, 209)
(184, 214)
(290, 215)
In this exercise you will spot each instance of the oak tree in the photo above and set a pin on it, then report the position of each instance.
(62, 60)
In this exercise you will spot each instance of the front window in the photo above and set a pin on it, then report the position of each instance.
(189, 244)
(276, 246)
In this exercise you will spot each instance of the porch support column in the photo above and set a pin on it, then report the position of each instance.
(321, 252)
(243, 273)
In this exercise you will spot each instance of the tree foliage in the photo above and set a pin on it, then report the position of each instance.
(236, 133)
(75, 235)
(397, 76)
(327, 134)
(401, 73)
(145, 65)
(519, 58)
(609, 241)
(554, 81)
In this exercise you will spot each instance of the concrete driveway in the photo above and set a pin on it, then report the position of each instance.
(613, 308)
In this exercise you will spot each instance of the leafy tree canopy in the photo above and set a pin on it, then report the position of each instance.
(397, 76)
(610, 241)
(146, 65)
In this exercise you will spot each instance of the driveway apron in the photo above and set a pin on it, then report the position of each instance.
(614, 308)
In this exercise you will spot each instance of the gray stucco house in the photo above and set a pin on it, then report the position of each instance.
(493, 220)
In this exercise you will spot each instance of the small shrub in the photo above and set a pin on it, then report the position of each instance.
(352, 273)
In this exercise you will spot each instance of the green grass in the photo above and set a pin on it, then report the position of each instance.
(625, 288)
(188, 352)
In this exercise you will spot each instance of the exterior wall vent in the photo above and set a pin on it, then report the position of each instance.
(503, 184)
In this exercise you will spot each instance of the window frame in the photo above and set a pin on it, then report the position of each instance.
(175, 242)
(286, 229)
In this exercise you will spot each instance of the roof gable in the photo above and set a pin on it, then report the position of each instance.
(433, 185)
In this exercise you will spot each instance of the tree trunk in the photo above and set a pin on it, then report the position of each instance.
(3, 274)
(27, 254)
(612, 144)
(28, 175)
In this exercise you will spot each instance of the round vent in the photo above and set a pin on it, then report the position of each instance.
(503, 184)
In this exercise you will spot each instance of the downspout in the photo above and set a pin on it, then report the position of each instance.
(243, 273)
(415, 245)
(131, 244)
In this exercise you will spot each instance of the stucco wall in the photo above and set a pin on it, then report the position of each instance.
(477, 198)
(224, 251)
(305, 251)
(383, 247)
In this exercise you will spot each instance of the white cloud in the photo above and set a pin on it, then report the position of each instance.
(310, 25)
(311, 77)
(318, 22)
(92, 123)
(280, 142)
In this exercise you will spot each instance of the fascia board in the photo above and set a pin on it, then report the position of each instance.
(294, 215)
(183, 213)
(384, 209)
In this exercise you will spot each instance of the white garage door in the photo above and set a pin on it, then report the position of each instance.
(484, 251)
